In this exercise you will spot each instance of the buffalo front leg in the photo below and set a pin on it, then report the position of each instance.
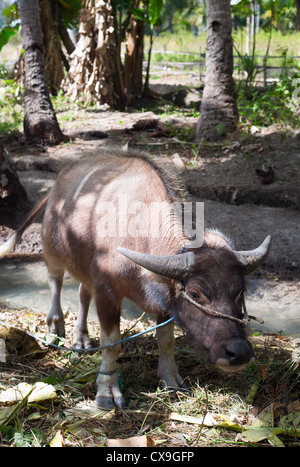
(167, 368)
(55, 318)
(81, 338)
(109, 394)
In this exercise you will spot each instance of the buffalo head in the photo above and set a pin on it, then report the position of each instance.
(211, 307)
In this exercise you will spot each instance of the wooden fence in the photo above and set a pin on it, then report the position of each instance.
(169, 63)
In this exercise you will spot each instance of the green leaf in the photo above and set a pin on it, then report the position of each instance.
(154, 10)
(69, 10)
(5, 33)
(291, 423)
(139, 13)
(10, 10)
(254, 434)
(6, 413)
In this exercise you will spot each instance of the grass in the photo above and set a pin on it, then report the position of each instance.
(218, 411)
(185, 41)
(11, 108)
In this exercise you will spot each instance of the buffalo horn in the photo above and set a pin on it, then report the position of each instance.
(172, 267)
(252, 259)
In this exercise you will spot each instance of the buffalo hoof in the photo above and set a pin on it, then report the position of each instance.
(81, 340)
(56, 326)
(173, 383)
(107, 403)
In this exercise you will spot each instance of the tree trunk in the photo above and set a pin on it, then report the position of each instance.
(95, 70)
(298, 14)
(133, 66)
(14, 203)
(248, 35)
(52, 48)
(40, 123)
(219, 113)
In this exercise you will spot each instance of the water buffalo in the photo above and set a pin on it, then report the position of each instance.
(86, 232)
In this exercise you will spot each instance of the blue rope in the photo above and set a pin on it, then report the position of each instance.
(183, 249)
(87, 350)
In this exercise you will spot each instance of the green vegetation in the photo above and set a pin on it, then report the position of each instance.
(266, 106)
(185, 41)
(11, 105)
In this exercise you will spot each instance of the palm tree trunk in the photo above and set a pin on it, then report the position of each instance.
(53, 53)
(40, 123)
(298, 14)
(218, 114)
(133, 66)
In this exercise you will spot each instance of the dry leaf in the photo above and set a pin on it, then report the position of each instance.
(294, 406)
(255, 434)
(57, 441)
(38, 392)
(265, 418)
(134, 442)
(208, 420)
(265, 372)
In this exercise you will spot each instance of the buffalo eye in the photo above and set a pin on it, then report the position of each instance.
(198, 296)
(194, 295)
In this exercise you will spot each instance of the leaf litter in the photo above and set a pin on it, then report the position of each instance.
(47, 396)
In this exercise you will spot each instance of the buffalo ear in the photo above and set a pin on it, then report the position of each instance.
(252, 259)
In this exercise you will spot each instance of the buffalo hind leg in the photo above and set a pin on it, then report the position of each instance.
(109, 394)
(167, 368)
(55, 318)
(81, 338)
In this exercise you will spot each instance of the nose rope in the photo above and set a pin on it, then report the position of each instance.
(243, 322)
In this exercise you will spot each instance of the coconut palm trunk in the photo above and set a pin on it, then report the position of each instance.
(133, 66)
(40, 123)
(218, 114)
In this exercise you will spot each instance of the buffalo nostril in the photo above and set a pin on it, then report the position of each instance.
(238, 352)
(230, 354)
